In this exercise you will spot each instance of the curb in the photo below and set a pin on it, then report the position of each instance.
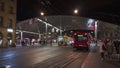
(86, 61)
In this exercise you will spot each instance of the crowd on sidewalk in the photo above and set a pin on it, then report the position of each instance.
(33, 42)
(109, 47)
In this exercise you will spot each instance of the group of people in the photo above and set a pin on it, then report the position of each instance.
(109, 47)
(32, 42)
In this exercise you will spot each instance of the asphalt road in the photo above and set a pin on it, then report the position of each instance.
(42, 57)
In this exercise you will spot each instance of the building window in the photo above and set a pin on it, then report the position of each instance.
(11, 10)
(1, 6)
(1, 21)
(111, 34)
(106, 34)
(116, 35)
(10, 23)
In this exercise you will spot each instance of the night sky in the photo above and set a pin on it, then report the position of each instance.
(99, 9)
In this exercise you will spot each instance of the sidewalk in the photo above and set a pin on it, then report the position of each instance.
(93, 61)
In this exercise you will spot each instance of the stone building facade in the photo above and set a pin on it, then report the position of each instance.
(7, 22)
(107, 30)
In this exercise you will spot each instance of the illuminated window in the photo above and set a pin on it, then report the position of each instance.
(1, 21)
(1, 6)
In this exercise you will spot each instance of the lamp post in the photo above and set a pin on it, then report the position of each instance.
(46, 25)
(21, 35)
(60, 26)
(96, 31)
(37, 25)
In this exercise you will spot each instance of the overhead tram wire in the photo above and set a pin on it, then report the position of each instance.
(50, 7)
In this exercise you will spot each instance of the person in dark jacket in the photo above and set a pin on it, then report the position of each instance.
(116, 44)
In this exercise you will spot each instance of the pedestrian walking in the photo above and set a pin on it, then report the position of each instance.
(50, 42)
(23, 43)
(119, 50)
(109, 47)
(116, 44)
(102, 49)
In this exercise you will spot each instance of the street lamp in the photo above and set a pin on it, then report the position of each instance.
(42, 13)
(76, 11)
(96, 30)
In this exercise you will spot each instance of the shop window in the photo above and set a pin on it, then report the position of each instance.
(9, 39)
